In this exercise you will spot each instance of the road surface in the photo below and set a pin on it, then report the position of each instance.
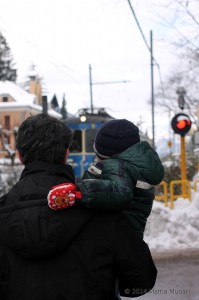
(178, 277)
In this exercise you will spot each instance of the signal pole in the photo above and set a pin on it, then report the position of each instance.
(181, 102)
(152, 90)
(183, 160)
(91, 90)
(181, 124)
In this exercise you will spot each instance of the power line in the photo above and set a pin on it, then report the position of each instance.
(138, 24)
(62, 67)
(147, 45)
(150, 48)
(140, 29)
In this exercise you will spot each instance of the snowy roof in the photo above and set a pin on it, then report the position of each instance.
(22, 99)
(16, 92)
(33, 108)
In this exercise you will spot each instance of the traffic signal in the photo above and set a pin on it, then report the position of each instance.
(181, 124)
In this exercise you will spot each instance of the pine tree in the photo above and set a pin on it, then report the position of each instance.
(55, 104)
(7, 70)
(63, 108)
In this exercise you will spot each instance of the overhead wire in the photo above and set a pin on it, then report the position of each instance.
(147, 45)
(62, 67)
(50, 59)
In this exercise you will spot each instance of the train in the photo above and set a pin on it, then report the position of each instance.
(85, 125)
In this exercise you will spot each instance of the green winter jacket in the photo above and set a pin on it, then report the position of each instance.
(138, 168)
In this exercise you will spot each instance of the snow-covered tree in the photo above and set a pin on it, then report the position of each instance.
(182, 18)
(7, 70)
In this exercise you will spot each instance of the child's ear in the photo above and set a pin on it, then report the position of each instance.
(66, 155)
(19, 156)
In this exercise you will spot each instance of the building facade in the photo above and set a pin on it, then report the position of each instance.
(16, 105)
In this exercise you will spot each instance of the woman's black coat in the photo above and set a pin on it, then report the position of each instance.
(73, 254)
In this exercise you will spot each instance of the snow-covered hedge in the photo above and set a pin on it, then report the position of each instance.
(9, 175)
(176, 228)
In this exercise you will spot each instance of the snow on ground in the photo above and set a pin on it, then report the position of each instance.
(174, 229)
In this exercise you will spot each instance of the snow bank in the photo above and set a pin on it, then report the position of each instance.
(9, 175)
(172, 229)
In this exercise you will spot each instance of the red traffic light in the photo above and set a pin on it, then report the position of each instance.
(181, 124)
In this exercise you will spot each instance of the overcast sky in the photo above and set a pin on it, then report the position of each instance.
(63, 37)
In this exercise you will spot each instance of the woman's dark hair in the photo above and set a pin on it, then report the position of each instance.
(43, 138)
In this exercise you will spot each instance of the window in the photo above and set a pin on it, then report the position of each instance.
(7, 122)
(90, 138)
(77, 142)
(7, 126)
(5, 99)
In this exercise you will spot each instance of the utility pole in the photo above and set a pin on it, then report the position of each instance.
(152, 90)
(91, 83)
(91, 90)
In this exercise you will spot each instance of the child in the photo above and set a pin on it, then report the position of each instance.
(123, 159)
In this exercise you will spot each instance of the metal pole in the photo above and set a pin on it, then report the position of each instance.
(91, 90)
(183, 164)
(152, 90)
(45, 104)
(91, 83)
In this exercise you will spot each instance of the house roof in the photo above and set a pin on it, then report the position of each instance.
(22, 99)
(18, 94)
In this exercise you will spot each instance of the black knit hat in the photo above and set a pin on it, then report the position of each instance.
(114, 137)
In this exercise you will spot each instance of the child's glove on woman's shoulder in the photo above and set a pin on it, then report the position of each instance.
(63, 196)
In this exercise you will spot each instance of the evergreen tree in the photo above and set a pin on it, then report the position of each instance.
(55, 104)
(63, 108)
(7, 70)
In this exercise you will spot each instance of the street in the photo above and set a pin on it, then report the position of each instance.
(178, 277)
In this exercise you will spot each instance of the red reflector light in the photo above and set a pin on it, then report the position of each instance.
(181, 124)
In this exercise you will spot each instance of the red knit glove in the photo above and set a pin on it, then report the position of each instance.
(63, 196)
